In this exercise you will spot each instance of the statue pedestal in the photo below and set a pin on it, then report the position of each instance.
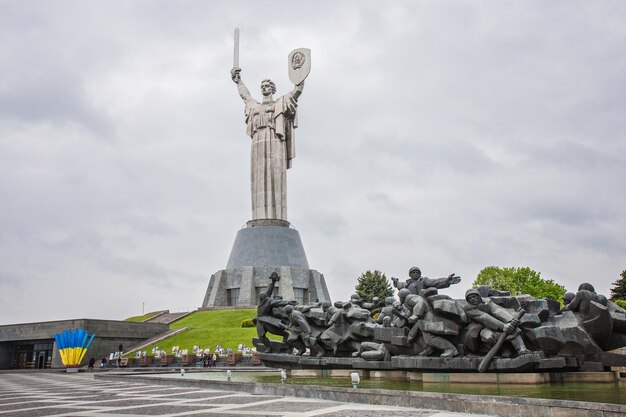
(262, 247)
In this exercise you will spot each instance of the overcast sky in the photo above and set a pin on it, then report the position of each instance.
(446, 135)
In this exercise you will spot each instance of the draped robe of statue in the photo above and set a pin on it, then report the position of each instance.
(271, 126)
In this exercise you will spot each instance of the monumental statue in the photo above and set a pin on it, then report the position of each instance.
(271, 125)
(268, 244)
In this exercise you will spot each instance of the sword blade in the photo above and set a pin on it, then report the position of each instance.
(236, 51)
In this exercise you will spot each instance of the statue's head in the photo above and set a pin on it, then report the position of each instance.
(268, 87)
(586, 286)
(288, 309)
(263, 296)
(403, 293)
(415, 273)
(355, 299)
(411, 300)
(389, 301)
(472, 296)
(326, 305)
(568, 297)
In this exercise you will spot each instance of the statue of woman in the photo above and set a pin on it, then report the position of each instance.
(270, 124)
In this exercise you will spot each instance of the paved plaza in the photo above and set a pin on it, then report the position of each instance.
(80, 395)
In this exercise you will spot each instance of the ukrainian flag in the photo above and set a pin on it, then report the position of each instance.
(72, 346)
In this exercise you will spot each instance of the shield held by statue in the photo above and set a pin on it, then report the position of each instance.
(299, 64)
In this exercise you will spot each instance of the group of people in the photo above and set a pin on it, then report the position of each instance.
(103, 362)
(209, 360)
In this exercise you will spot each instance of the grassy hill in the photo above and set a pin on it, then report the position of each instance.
(210, 328)
(215, 319)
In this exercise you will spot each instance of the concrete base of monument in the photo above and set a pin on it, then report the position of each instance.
(516, 378)
(262, 247)
(531, 368)
(267, 243)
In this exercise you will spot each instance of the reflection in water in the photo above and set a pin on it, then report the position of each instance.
(614, 393)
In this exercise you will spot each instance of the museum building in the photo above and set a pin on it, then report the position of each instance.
(32, 345)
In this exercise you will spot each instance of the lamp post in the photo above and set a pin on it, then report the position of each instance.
(356, 378)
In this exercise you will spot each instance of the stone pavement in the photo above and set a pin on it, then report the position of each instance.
(30, 394)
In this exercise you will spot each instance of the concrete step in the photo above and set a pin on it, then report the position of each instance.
(155, 339)
(168, 317)
(154, 314)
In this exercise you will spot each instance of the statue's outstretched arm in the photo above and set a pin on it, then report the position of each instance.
(235, 74)
(297, 90)
(270, 289)
(441, 282)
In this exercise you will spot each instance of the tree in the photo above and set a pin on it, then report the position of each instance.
(373, 284)
(522, 280)
(618, 292)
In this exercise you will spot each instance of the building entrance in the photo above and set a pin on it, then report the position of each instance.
(41, 360)
(33, 356)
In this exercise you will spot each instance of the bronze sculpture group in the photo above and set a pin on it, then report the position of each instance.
(422, 329)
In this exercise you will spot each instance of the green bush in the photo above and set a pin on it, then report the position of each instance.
(621, 303)
(247, 323)
(519, 280)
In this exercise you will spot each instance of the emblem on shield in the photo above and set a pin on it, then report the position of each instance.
(299, 64)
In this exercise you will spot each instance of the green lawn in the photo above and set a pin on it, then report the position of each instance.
(214, 319)
(210, 328)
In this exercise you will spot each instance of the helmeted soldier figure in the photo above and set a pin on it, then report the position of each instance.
(264, 320)
(301, 334)
(385, 317)
(417, 284)
(433, 329)
(495, 320)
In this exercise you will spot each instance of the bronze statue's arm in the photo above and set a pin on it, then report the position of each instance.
(574, 305)
(235, 74)
(334, 318)
(399, 285)
(270, 289)
(485, 319)
(297, 90)
(244, 93)
(441, 282)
